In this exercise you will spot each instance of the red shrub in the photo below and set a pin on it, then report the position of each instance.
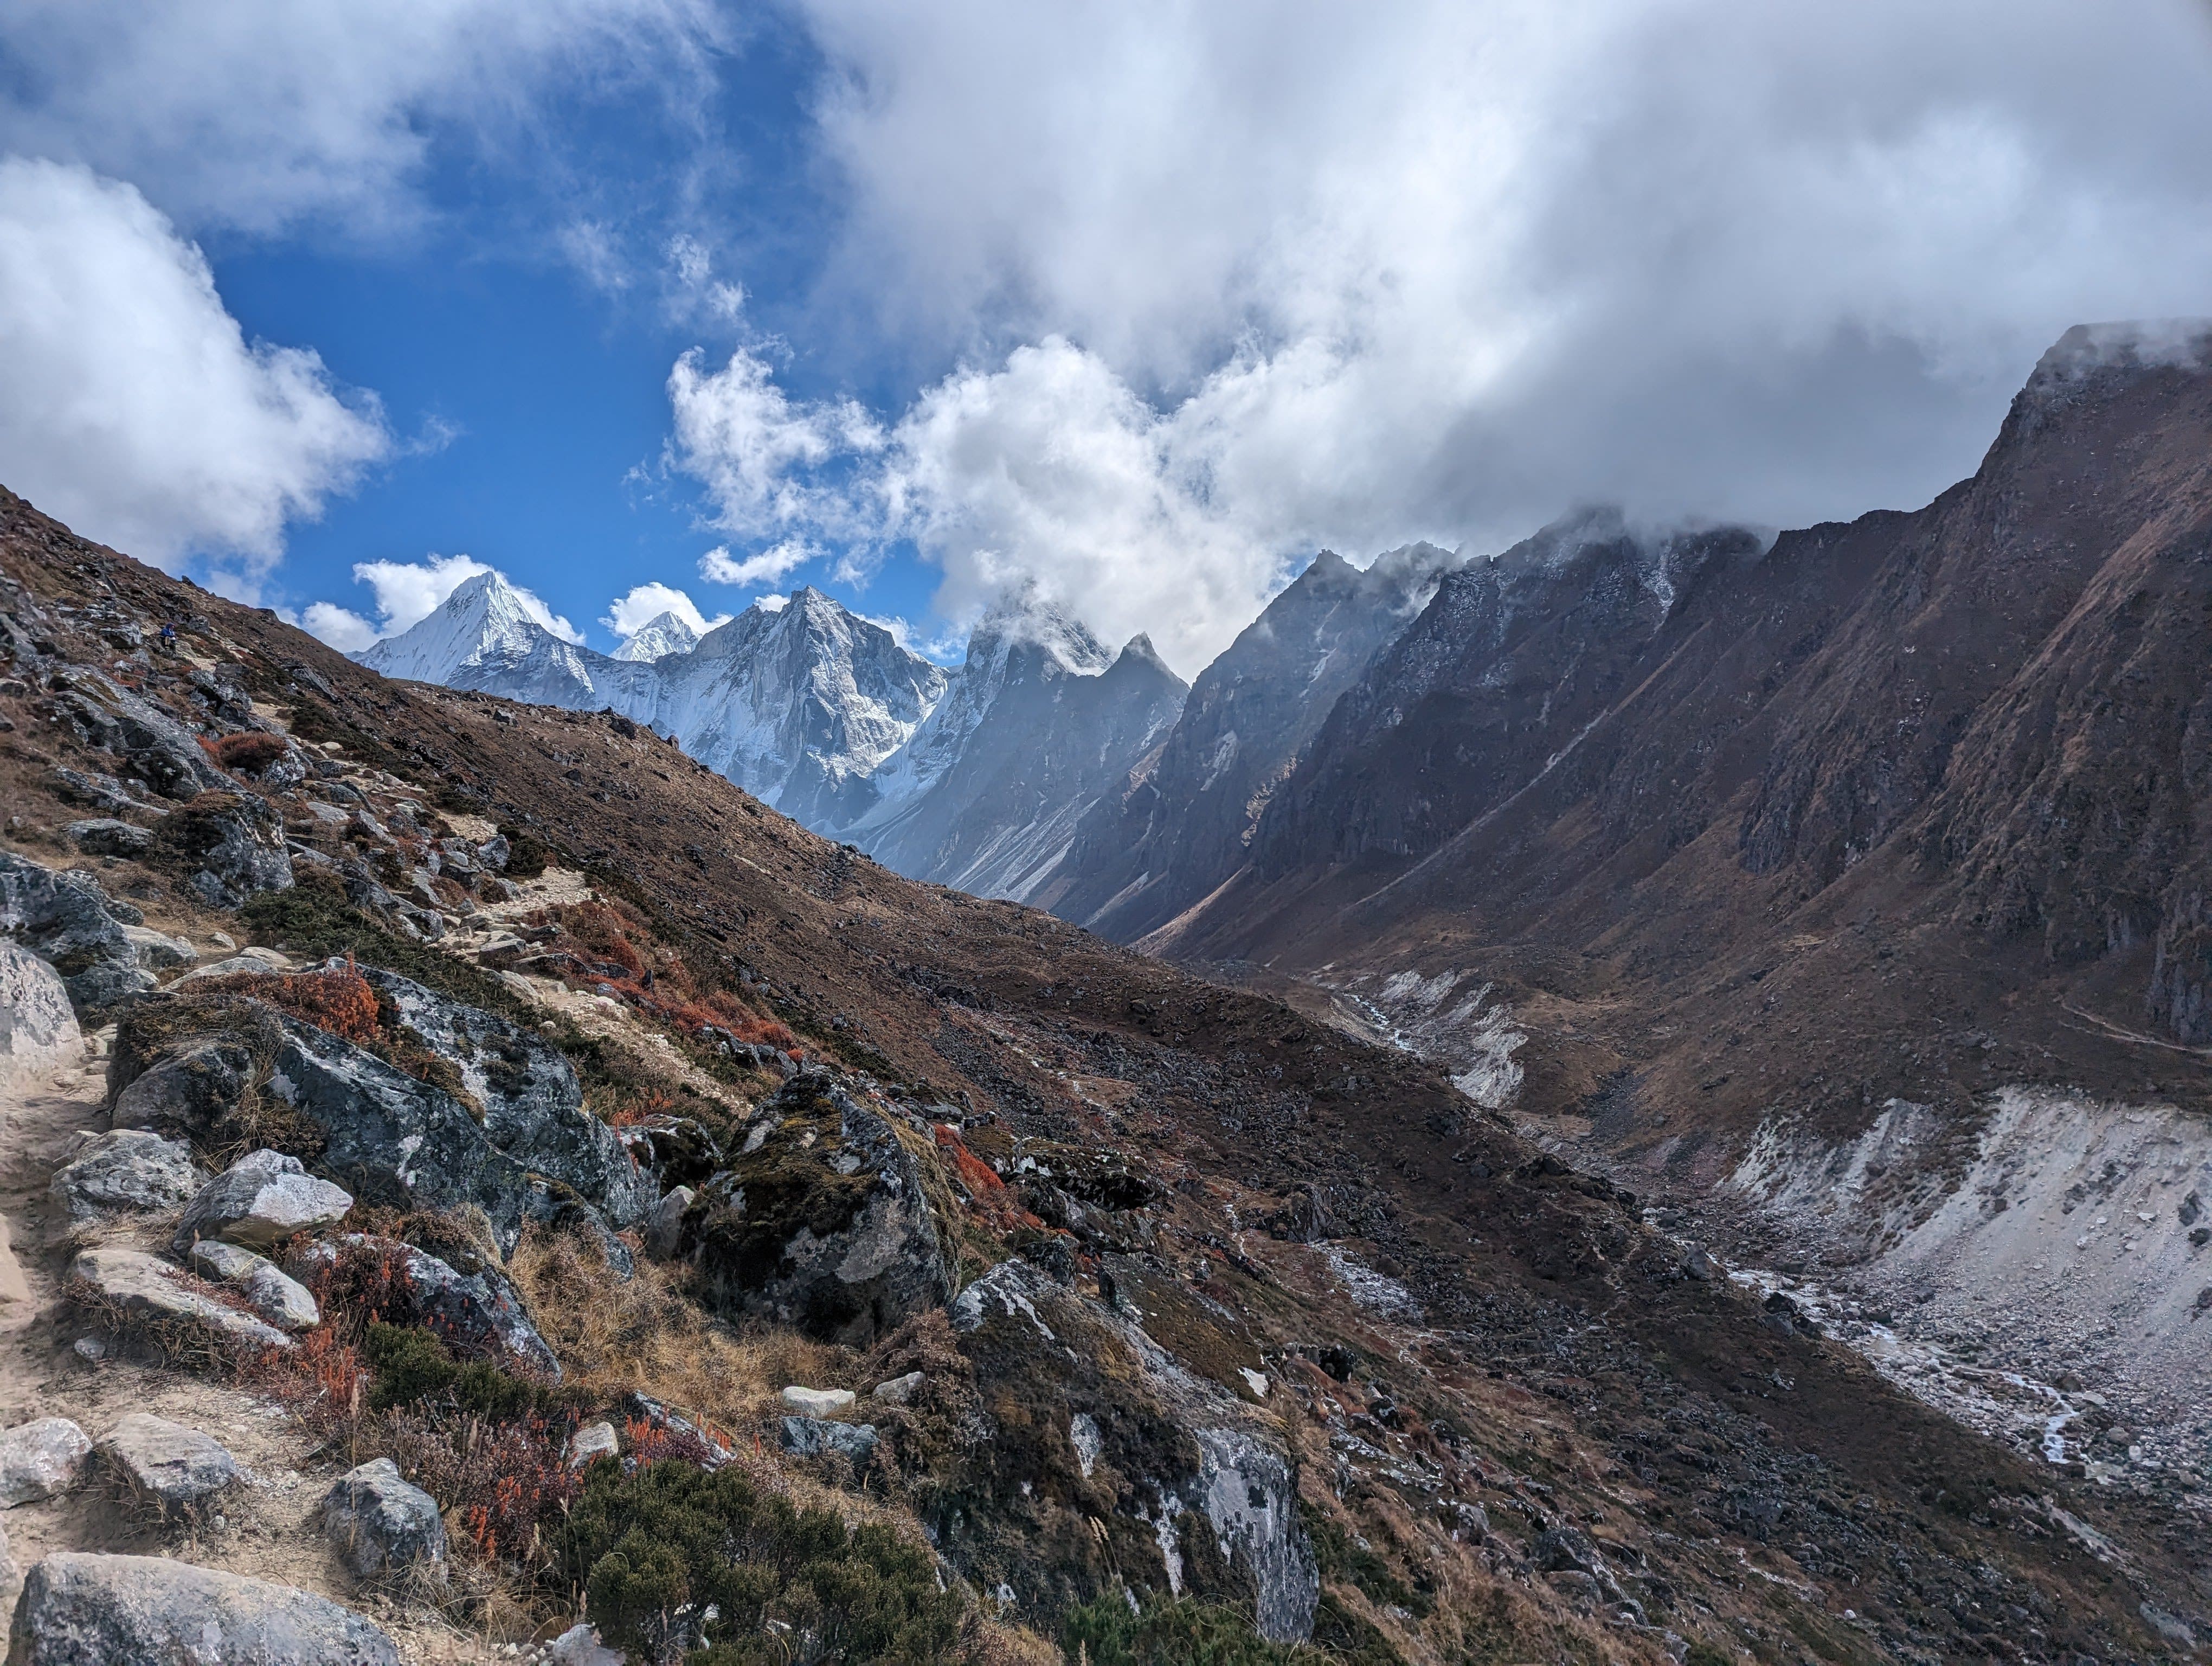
(247, 753)
(978, 1176)
(341, 1001)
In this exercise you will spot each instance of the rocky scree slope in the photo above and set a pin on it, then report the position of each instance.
(1197, 1294)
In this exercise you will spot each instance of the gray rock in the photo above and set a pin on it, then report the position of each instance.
(158, 950)
(899, 1391)
(477, 1311)
(184, 1093)
(105, 835)
(38, 1029)
(261, 1200)
(168, 1464)
(282, 1300)
(143, 1289)
(66, 918)
(580, 1645)
(846, 1258)
(40, 1459)
(78, 1609)
(11, 1575)
(233, 844)
(381, 1525)
(664, 1227)
(810, 1437)
(494, 851)
(158, 748)
(818, 1402)
(126, 1170)
(593, 1440)
(102, 792)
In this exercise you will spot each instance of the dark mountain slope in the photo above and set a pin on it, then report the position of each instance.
(1570, 1393)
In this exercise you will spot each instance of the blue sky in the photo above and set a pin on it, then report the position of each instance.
(1137, 304)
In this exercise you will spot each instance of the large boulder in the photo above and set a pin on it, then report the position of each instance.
(1096, 1456)
(106, 835)
(230, 845)
(66, 918)
(381, 1525)
(78, 1609)
(277, 1297)
(154, 746)
(184, 1093)
(40, 1459)
(261, 1200)
(132, 1288)
(38, 1029)
(476, 1310)
(825, 1220)
(125, 1171)
(170, 1466)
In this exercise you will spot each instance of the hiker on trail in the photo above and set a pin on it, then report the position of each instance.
(168, 637)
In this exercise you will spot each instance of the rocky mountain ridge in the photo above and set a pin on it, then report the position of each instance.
(1186, 1322)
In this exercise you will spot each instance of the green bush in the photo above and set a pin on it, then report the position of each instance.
(1182, 1632)
(412, 1364)
(655, 1550)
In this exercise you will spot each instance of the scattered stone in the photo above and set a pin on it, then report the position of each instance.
(91, 1348)
(281, 1300)
(223, 941)
(1700, 1266)
(11, 1575)
(478, 1312)
(381, 1525)
(40, 1459)
(818, 1402)
(106, 836)
(79, 1610)
(580, 1645)
(38, 1029)
(664, 1227)
(810, 1437)
(127, 1169)
(144, 1289)
(158, 950)
(593, 1440)
(899, 1391)
(169, 1464)
(262, 1198)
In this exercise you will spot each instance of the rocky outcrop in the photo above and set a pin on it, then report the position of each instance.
(1132, 1467)
(171, 1467)
(814, 1437)
(133, 1288)
(261, 1200)
(105, 835)
(77, 929)
(38, 1026)
(381, 1526)
(126, 1170)
(40, 1459)
(184, 1093)
(230, 844)
(825, 1221)
(153, 747)
(476, 1310)
(86, 1610)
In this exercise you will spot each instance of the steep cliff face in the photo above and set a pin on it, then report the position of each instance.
(1036, 728)
(1181, 822)
(1800, 825)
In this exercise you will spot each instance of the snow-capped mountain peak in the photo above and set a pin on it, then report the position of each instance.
(484, 618)
(658, 637)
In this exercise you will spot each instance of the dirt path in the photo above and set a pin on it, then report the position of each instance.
(270, 1531)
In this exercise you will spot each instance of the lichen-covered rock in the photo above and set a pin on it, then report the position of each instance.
(170, 1465)
(276, 1297)
(825, 1220)
(812, 1437)
(533, 1102)
(68, 921)
(231, 846)
(381, 1525)
(137, 1288)
(1084, 1418)
(664, 1226)
(38, 1029)
(79, 1610)
(592, 1442)
(126, 1170)
(476, 1311)
(261, 1200)
(40, 1459)
(185, 1093)
(159, 750)
(158, 950)
(106, 836)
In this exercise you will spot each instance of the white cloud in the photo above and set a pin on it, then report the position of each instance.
(718, 566)
(256, 113)
(628, 615)
(745, 441)
(132, 406)
(770, 604)
(408, 592)
(1234, 281)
